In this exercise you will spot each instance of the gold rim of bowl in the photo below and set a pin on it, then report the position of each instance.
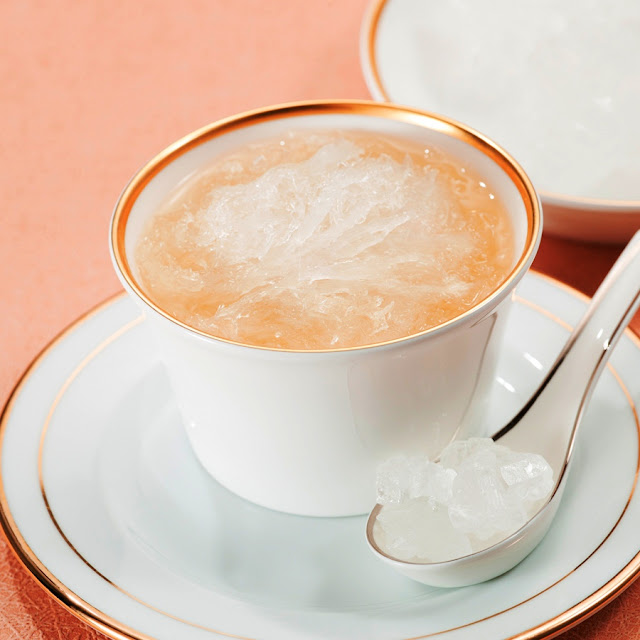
(369, 29)
(365, 108)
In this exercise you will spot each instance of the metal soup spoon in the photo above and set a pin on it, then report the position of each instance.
(547, 424)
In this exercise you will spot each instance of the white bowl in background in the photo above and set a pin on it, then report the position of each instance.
(555, 83)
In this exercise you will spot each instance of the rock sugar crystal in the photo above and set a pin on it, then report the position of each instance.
(477, 494)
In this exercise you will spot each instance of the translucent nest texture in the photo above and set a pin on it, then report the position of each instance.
(323, 241)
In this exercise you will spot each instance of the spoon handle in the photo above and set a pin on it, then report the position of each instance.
(553, 413)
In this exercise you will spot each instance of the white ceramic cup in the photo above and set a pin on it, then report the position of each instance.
(303, 431)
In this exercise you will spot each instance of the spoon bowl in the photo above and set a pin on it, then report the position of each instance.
(547, 424)
(475, 567)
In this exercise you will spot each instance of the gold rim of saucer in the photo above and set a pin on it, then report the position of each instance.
(369, 29)
(116, 629)
(368, 108)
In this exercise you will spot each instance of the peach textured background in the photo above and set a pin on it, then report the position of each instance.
(90, 91)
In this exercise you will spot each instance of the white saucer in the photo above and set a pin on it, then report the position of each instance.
(552, 82)
(106, 506)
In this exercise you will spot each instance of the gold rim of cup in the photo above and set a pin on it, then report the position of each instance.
(368, 108)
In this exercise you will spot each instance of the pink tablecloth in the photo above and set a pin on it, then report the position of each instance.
(90, 91)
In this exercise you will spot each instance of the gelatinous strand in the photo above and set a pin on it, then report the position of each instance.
(322, 240)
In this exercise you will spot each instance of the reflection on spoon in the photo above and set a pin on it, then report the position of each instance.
(547, 425)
